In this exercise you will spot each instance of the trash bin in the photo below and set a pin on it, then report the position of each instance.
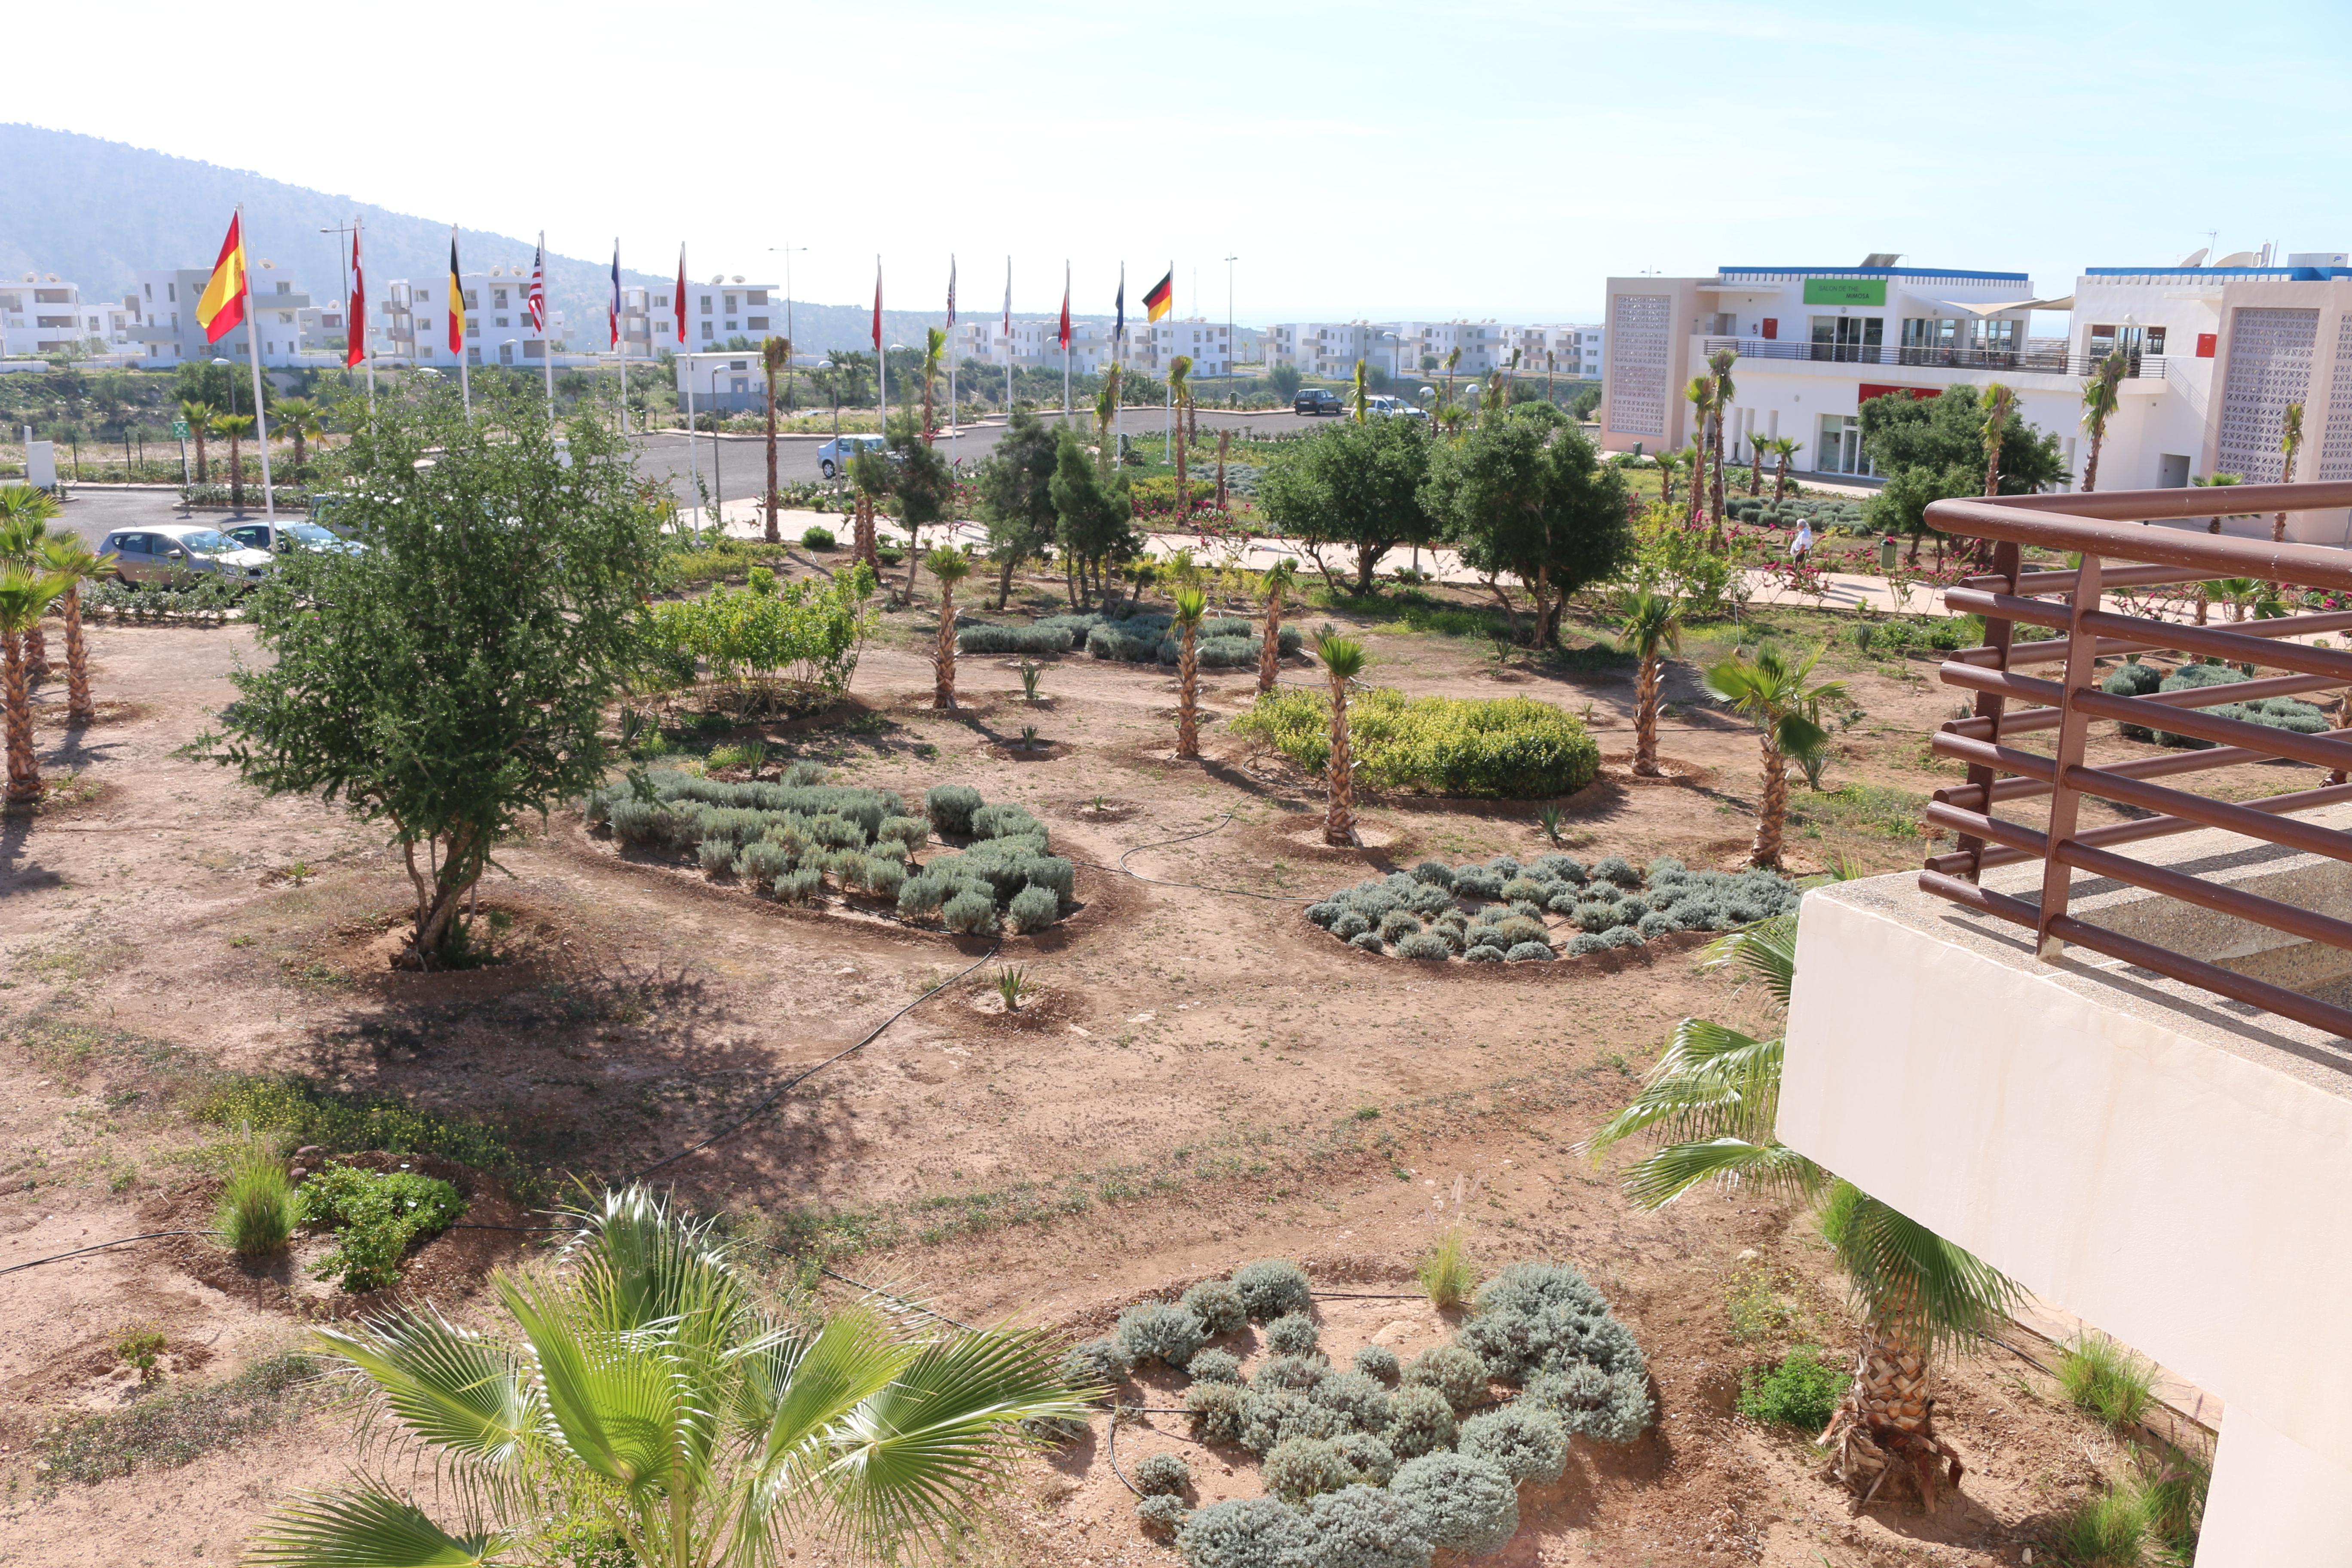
(1887, 554)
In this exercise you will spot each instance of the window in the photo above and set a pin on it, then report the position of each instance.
(171, 292)
(662, 300)
(758, 323)
(706, 332)
(730, 304)
(1848, 337)
(758, 296)
(150, 289)
(499, 300)
(473, 299)
(706, 304)
(424, 296)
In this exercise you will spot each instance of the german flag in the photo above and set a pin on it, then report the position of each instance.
(457, 302)
(222, 307)
(1162, 298)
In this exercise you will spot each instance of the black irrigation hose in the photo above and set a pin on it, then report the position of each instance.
(77, 1252)
(1223, 818)
(1110, 1452)
(902, 1301)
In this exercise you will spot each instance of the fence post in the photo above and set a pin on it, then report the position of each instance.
(2072, 727)
(1990, 704)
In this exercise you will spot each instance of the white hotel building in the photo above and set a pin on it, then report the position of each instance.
(41, 314)
(2216, 353)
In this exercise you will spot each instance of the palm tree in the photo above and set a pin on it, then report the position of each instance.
(199, 417)
(23, 598)
(302, 421)
(1998, 402)
(1783, 448)
(1179, 389)
(71, 562)
(1363, 395)
(648, 1392)
(1105, 409)
(1772, 692)
(935, 343)
(2290, 446)
(1224, 440)
(1280, 581)
(1709, 1107)
(1719, 364)
(2100, 395)
(949, 566)
(1701, 392)
(1756, 448)
(2204, 596)
(1669, 465)
(25, 514)
(1651, 628)
(1192, 604)
(1343, 660)
(775, 353)
(235, 427)
(1452, 358)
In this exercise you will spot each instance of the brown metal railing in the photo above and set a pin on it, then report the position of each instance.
(2118, 552)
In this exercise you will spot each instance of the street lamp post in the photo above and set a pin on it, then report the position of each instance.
(1229, 326)
(786, 251)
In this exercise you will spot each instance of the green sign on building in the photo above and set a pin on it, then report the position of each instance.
(1845, 290)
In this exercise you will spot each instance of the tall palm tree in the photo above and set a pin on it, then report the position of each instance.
(23, 598)
(301, 421)
(1771, 690)
(2100, 396)
(198, 413)
(1719, 364)
(775, 353)
(1784, 448)
(1343, 660)
(1280, 581)
(1548, 359)
(1998, 401)
(71, 562)
(949, 566)
(1224, 440)
(1701, 392)
(1179, 389)
(2290, 448)
(1190, 605)
(1651, 628)
(25, 514)
(1452, 358)
(1363, 395)
(235, 427)
(649, 1392)
(1756, 450)
(1708, 1108)
(1669, 465)
(935, 343)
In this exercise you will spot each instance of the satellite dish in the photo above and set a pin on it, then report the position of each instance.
(1882, 258)
(2194, 258)
(2239, 259)
(719, 277)
(738, 277)
(268, 264)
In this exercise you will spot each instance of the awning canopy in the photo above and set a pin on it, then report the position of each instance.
(1955, 309)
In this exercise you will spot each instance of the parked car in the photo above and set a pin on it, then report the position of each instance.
(153, 553)
(834, 457)
(1394, 408)
(279, 537)
(1316, 400)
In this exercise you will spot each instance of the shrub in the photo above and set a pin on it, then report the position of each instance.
(375, 1216)
(1524, 889)
(1523, 952)
(1163, 1475)
(258, 1209)
(1477, 882)
(816, 536)
(1616, 869)
(1215, 1366)
(1298, 1468)
(1218, 1304)
(1466, 1504)
(1273, 1415)
(1367, 1455)
(1419, 1422)
(1451, 1372)
(1654, 925)
(1295, 1373)
(971, 912)
(800, 886)
(913, 832)
(1507, 747)
(920, 894)
(1484, 953)
(1272, 1288)
(1564, 868)
(950, 807)
(2105, 1530)
(1427, 945)
(1397, 925)
(1349, 926)
(1444, 1271)
(1544, 1314)
(1525, 1443)
(1607, 1406)
(2132, 680)
(1364, 1526)
(1244, 1532)
(1161, 1511)
(1095, 1363)
(1035, 909)
(1293, 1333)
(1159, 1330)
(1006, 819)
(763, 862)
(2098, 1375)
(1216, 1411)
(1326, 912)
(717, 855)
(1435, 873)
(1042, 637)
(1359, 1400)
(1798, 1391)
(1376, 1360)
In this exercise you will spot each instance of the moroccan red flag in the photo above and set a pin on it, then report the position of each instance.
(681, 294)
(355, 318)
(877, 305)
(1064, 339)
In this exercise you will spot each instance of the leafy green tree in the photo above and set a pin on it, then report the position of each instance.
(1015, 486)
(1709, 1109)
(451, 677)
(921, 485)
(649, 1393)
(1942, 444)
(1771, 690)
(1529, 497)
(1096, 519)
(1357, 486)
(1286, 380)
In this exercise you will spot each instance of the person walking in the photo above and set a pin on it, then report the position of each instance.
(1800, 546)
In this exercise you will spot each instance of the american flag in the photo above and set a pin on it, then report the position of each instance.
(536, 301)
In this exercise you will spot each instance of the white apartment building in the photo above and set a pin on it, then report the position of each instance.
(1423, 347)
(723, 308)
(283, 315)
(41, 313)
(408, 321)
(1036, 343)
(1208, 343)
(1332, 348)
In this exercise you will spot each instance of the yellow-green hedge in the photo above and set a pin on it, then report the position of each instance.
(1513, 748)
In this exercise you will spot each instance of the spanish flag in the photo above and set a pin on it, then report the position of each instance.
(457, 302)
(222, 307)
(1162, 298)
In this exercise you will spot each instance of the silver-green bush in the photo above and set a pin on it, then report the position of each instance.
(1396, 925)
(1368, 1454)
(1437, 873)
(1271, 1416)
(1524, 1443)
(1369, 940)
(1298, 1468)
(1159, 1330)
(1293, 1333)
(1349, 926)
(949, 807)
(1035, 909)
(1244, 1532)
(1216, 1411)
(1163, 1475)
(1419, 1422)
(971, 911)
(1525, 951)
(1161, 1512)
(1427, 945)
(1215, 1366)
(1365, 1527)
(1362, 1400)
(1218, 1304)
(763, 862)
(800, 886)
(1451, 1372)
(1271, 1288)
(1483, 953)
(1378, 1361)
(1293, 1373)
(717, 853)
(1095, 1362)
(884, 876)
(1464, 1503)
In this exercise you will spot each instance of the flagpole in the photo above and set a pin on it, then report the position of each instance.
(881, 358)
(253, 355)
(546, 342)
(621, 333)
(1066, 345)
(367, 342)
(951, 365)
(457, 288)
(1118, 363)
(693, 460)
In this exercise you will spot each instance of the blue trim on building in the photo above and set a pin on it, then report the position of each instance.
(1877, 272)
(2280, 274)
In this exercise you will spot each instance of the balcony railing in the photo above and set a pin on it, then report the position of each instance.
(2021, 362)
(2116, 556)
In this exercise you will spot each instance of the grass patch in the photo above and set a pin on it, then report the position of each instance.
(1756, 1309)
(257, 1210)
(175, 1426)
(711, 560)
(1880, 810)
(1445, 1272)
(2102, 1377)
(1406, 610)
(1800, 1391)
(350, 1123)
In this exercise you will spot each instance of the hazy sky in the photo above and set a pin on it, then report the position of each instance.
(1374, 160)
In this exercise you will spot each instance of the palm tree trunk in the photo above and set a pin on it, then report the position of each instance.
(2091, 464)
(1755, 464)
(204, 469)
(1883, 1439)
(1225, 438)
(78, 707)
(36, 654)
(1646, 716)
(1269, 653)
(1715, 490)
(1188, 695)
(15, 692)
(773, 537)
(1771, 807)
(943, 661)
(1340, 816)
(1184, 489)
(1780, 478)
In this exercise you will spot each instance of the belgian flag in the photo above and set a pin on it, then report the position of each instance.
(1162, 298)
(457, 302)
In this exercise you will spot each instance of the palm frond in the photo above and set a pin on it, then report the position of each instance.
(450, 1388)
(1767, 949)
(366, 1528)
(1712, 1082)
(1669, 1172)
(612, 1397)
(1910, 1281)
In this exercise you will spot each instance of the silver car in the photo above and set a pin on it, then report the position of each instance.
(834, 457)
(152, 554)
(277, 538)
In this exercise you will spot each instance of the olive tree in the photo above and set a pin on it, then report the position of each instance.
(448, 677)
(1529, 497)
(1359, 486)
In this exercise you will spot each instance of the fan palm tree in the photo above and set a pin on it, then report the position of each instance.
(1709, 1106)
(235, 427)
(1756, 450)
(1280, 581)
(23, 598)
(775, 353)
(1784, 448)
(2204, 597)
(301, 421)
(1190, 605)
(2290, 448)
(2100, 396)
(1343, 660)
(1998, 401)
(71, 562)
(646, 1392)
(1452, 358)
(199, 415)
(1225, 441)
(935, 345)
(1701, 392)
(1719, 364)
(1363, 399)
(1771, 690)
(949, 566)
(1651, 628)
(25, 514)
(1669, 465)
(1179, 389)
